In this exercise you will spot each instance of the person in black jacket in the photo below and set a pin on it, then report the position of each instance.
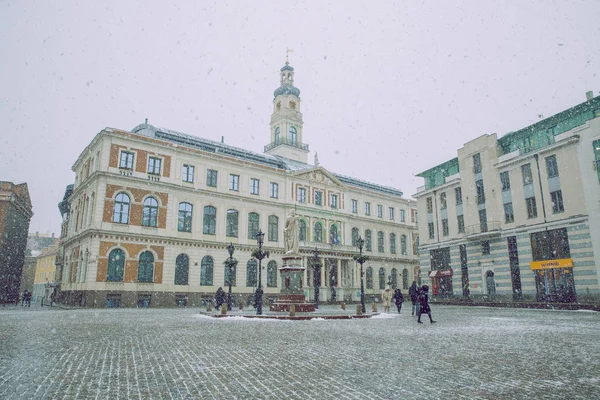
(413, 292)
(219, 298)
(398, 299)
(424, 304)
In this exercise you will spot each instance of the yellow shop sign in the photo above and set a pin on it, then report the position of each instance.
(548, 264)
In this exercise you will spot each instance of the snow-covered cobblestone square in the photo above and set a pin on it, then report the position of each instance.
(471, 353)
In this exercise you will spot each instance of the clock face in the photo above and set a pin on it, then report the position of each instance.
(293, 105)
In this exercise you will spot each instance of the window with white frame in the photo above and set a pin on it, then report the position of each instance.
(318, 198)
(234, 182)
(154, 165)
(379, 211)
(354, 206)
(274, 190)
(333, 200)
(254, 186)
(301, 195)
(367, 208)
(391, 209)
(187, 173)
(126, 160)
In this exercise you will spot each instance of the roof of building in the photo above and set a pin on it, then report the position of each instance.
(268, 160)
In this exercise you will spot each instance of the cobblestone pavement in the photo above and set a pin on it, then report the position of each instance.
(471, 353)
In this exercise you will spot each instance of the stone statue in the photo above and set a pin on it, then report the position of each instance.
(290, 234)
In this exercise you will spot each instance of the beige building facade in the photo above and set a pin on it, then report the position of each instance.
(45, 273)
(518, 216)
(152, 211)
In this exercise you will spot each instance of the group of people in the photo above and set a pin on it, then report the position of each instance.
(25, 299)
(419, 296)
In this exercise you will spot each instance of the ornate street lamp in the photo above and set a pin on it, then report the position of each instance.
(317, 276)
(361, 260)
(259, 255)
(230, 249)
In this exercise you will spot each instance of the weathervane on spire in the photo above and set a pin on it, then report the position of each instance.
(287, 53)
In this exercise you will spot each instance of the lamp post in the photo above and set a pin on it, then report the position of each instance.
(361, 260)
(230, 249)
(259, 255)
(317, 276)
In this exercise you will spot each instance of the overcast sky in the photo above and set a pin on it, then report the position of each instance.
(388, 89)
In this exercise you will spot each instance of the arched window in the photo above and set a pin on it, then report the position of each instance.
(210, 220)
(403, 244)
(150, 213)
(273, 228)
(380, 244)
(393, 243)
(121, 210)
(405, 279)
(369, 278)
(394, 278)
(184, 222)
(333, 235)
(318, 236)
(272, 274)
(206, 271)
(146, 267)
(277, 135)
(116, 266)
(233, 273)
(355, 237)
(253, 226)
(232, 223)
(182, 269)
(368, 240)
(302, 231)
(293, 135)
(251, 273)
(381, 278)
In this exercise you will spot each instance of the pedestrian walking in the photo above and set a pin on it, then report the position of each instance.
(23, 298)
(386, 297)
(424, 304)
(413, 293)
(219, 297)
(28, 300)
(398, 299)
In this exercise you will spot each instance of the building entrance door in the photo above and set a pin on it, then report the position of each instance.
(490, 283)
(555, 285)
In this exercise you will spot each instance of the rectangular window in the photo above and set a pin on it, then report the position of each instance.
(440, 258)
(461, 223)
(443, 203)
(431, 231)
(557, 202)
(211, 178)
(476, 163)
(485, 247)
(333, 200)
(379, 211)
(318, 198)
(551, 166)
(254, 186)
(596, 145)
(531, 207)
(550, 245)
(480, 192)
(234, 182)
(403, 216)
(414, 216)
(509, 215)
(429, 205)
(505, 180)
(445, 230)
(354, 206)
(187, 174)
(301, 195)
(126, 160)
(483, 220)
(154, 165)
(527, 177)
(458, 194)
(274, 190)
(367, 208)
(392, 216)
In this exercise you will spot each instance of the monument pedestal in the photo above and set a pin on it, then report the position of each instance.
(291, 293)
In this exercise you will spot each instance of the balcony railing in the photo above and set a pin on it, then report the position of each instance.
(288, 142)
(491, 227)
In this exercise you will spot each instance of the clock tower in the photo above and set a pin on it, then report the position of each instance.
(286, 120)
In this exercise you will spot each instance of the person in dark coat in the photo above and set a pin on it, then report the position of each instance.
(424, 304)
(413, 292)
(219, 297)
(398, 299)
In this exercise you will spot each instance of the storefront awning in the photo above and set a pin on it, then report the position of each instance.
(440, 272)
(549, 264)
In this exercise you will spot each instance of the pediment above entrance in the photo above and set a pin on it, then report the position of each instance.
(319, 175)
